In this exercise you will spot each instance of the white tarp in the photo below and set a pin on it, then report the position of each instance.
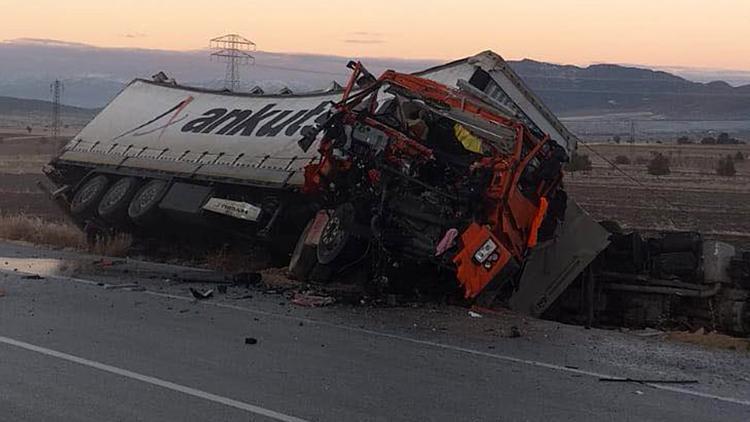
(254, 137)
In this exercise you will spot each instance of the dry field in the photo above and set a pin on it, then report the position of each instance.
(692, 197)
(21, 160)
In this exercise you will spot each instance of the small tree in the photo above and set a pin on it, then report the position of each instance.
(659, 165)
(725, 167)
(616, 139)
(739, 156)
(579, 162)
(622, 160)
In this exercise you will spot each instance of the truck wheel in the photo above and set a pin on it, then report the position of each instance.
(113, 206)
(87, 197)
(336, 234)
(304, 257)
(144, 207)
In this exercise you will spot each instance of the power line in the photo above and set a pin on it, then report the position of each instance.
(56, 90)
(234, 50)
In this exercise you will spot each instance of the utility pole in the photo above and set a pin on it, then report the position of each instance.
(235, 51)
(56, 90)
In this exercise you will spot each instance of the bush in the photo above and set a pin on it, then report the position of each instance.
(659, 165)
(739, 156)
(708, 140)
(684, 140)
(579, 162)
(622, 160)
(725, 139)
(641, 160)
(725, 167)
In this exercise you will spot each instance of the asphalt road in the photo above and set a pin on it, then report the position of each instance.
(72, 350)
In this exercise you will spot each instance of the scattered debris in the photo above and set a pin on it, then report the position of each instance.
(222, 288)
(475, 314)
(121, 286)
(515, 332)
(711, 339)
(650, 381)
(251, 340)
(247, 279)
(312, 300)
(33, 277)
(243, 297)
(201, 295)
(648, 332)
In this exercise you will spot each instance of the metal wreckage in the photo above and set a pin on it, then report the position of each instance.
(448, 178)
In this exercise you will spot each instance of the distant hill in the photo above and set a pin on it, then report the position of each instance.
(20, 106)
(19, 113)
(604, 88)
(93, 75)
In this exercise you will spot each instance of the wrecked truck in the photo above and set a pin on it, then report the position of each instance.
(412, 172)
(161, 158)
(448, 175)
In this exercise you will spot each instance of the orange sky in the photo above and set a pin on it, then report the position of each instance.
(697, 33)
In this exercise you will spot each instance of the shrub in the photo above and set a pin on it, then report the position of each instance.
(684, 140)
(659, 165)
(739, 156)
(708, 140)
(579, 162)
(641, 160)
(725, 167)
(622, 160)
(37, 231)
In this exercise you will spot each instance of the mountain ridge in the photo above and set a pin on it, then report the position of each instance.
(93, 75)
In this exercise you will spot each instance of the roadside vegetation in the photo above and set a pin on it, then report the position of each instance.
(36, 230)
(725, 167)
(578, 162)
(659, 165)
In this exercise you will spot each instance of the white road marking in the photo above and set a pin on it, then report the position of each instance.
(529, 362)
(152, 380)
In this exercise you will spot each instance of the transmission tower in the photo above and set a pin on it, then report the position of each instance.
(56, 90)
(235, 51)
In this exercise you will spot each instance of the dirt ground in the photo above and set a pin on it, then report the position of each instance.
(692, 197)
(22, 157)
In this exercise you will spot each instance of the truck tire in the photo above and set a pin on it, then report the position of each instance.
(336, 234)
(304, 257)
(144, 207)
(113, 206)
(87, 197)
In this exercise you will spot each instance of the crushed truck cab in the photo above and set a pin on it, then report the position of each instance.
(413, 173)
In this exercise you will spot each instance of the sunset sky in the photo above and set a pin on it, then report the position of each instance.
(695, 33)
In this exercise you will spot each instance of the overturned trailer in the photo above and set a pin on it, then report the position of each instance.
(163, 155)
(455, 168)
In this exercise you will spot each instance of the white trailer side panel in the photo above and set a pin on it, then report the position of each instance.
(253, 138)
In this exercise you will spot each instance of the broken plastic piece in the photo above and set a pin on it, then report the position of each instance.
(312, 300)
(201, 295)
